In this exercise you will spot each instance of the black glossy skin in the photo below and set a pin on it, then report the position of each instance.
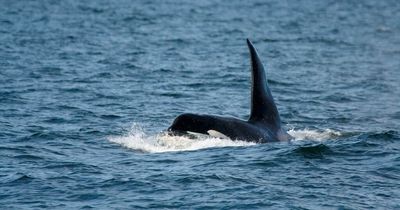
(264, 124)
(233, 128)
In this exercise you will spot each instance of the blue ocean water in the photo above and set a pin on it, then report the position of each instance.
(87, 87)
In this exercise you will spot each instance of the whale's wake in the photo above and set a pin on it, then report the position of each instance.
(137, 139)
(315, 135)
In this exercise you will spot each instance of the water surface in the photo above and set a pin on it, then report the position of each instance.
(86, 89)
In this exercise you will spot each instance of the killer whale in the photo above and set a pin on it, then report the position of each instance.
(264, 124)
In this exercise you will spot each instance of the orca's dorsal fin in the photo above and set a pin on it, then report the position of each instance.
(263, 108)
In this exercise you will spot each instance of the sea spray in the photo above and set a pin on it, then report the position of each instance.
(137, 139)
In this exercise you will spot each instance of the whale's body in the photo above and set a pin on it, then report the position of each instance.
(263, 125)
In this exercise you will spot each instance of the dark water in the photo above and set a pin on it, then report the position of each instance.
(76, 75)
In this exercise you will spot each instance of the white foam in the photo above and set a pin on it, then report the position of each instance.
(315, 135)
(138, 140)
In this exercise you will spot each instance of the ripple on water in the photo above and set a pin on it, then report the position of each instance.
(16, 179)
(74, 75)
(314, 151)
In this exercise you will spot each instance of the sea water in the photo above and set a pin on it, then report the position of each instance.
(87, 89)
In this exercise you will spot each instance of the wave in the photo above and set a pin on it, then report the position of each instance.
(137, 139)
(315, 135)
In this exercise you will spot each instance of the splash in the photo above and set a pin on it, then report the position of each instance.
(315, 135)
(137, 139)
